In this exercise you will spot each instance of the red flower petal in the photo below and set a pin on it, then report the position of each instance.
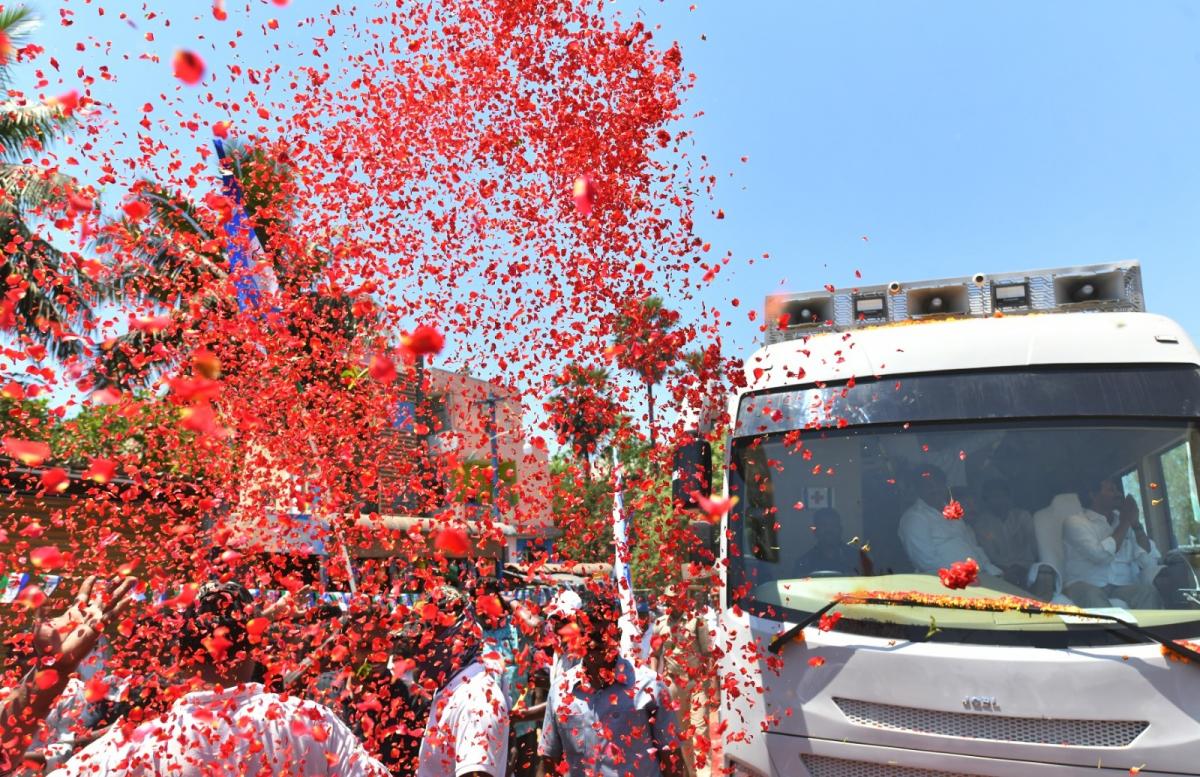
(714, 509)
(136, 210)
(452, 542)
(28, 452)
(106, 396)
(382, 369)
(66, 102)
(953, 511)
(56, 480)
(583, 194)
(206, 364)
(100, 471)
(95, 689)
(80, 202)
(46, 558)
(188, 67)
(45, 679)
(31, 597)
(424, 341)
(489, 604)
(960, 574)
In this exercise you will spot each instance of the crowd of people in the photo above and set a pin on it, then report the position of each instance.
(467, 680)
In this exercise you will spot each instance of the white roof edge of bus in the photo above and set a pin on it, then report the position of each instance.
(971, 344)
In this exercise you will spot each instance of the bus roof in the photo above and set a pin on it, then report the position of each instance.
(953, 344)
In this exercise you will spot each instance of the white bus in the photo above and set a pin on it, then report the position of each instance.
(1039, 423)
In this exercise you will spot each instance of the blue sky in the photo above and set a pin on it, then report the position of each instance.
(958, 137)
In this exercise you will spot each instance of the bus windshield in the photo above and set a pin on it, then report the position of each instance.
(1096, 511)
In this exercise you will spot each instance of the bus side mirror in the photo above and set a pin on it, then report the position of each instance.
(692, 466)
(703, 548)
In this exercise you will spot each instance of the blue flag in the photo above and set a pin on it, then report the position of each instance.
(242, 243)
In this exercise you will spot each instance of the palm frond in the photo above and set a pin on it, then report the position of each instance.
(131, 360)
(26, 188)
(21, 122)
(17, 22)
(55, 300)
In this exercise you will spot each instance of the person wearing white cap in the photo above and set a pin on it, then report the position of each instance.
(560, 613)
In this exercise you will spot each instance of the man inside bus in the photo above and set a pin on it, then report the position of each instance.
(1107, 550)
(1005, 531)
(831, 553)
(935, 542)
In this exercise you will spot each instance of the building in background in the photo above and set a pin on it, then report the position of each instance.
(461, 455)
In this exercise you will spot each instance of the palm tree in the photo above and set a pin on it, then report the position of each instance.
(647, 343)
(180, 263)
(47, 297)
(582, 410)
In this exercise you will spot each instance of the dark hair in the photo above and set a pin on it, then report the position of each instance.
(601, 603)
(217, 606)
(454, 613)
(1090, 484)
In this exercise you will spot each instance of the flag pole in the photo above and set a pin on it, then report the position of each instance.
(622, 576)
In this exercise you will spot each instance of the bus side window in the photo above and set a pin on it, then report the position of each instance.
(1183, 502)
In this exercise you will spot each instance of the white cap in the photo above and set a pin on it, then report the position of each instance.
(566, 603)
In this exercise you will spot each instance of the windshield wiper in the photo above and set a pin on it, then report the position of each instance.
(785, 637)
(1182, 651)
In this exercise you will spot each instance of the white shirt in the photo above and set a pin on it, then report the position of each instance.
(934, 541)
(232, 731)
(1132, 560)
(1092, 555)
(468, 727)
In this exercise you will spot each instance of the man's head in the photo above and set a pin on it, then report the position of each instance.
(563, 608)
(930, 485)
(491, 607)
(440, 636)
(827, 526)
(997, 498)
(598, 642)
(213, 632)
(1104, 495)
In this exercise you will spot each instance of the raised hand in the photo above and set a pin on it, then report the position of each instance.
(72, 634)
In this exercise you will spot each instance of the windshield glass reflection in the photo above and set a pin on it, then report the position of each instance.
(1094, 514)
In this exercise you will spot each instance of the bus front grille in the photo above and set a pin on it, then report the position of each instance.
(824, 766)
(999, 728)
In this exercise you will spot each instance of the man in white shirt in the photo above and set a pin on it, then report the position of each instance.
(1006, 532)
(1105, 557)
(226, 725)
(561, 612)
(616, 718)
(467, 731)
(935, 542)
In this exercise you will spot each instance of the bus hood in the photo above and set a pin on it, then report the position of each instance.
(1106, 707)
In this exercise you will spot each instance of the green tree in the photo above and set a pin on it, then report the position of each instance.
(582, 510)
(23, 418)
(648, 342)
(146, 437)
(47, 297)
(582, 411)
